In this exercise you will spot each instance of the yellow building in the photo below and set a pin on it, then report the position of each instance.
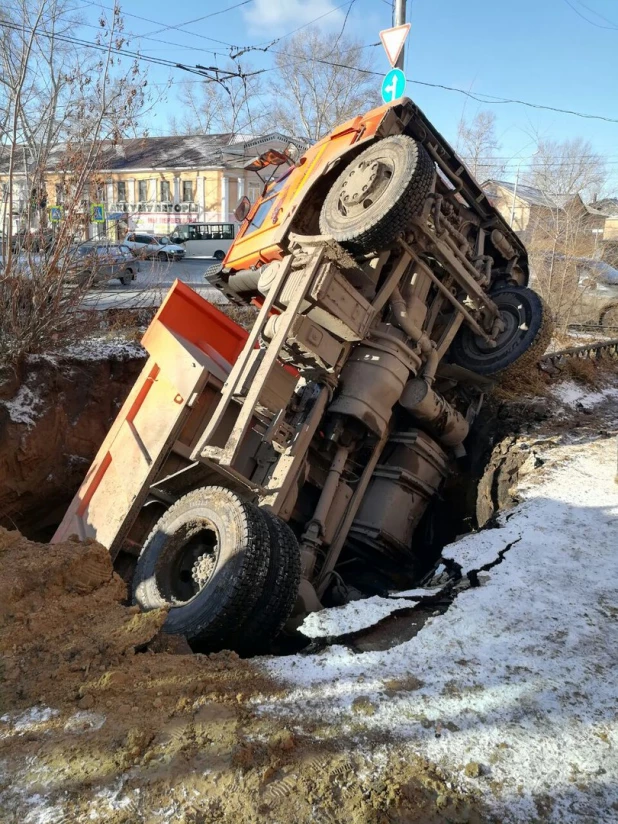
(154, 183)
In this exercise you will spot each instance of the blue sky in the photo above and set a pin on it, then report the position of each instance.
(541, 51)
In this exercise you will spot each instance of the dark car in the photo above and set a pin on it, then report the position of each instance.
(96, 262)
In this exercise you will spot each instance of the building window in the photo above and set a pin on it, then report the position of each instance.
(122, 191)
(187, 191)
(254, 192)
(166, 194)
(59, 193)
(142, 191)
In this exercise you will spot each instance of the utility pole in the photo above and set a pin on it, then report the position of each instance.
(400, 19)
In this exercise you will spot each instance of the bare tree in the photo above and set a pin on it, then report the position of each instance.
(567, 167)
(318, 86)
(234, 106)
(62, 117)
(478, 145)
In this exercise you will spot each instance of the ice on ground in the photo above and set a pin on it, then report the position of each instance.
(25, 407)
(478, 549)
(571, 394)
(518, 674)
(419, 592)
(352, 617)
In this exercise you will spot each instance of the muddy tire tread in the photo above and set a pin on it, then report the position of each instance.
(246, 586)
(376, 235)
(534, 353)
(274, 607)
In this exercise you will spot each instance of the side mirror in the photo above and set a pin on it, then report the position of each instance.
(243, 209)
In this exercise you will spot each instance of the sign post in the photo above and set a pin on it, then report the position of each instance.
(55, 214)
(394, 84)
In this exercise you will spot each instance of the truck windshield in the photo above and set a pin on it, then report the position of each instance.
(264, 208)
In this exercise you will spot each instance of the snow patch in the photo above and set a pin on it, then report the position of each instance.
(572, 394)
(99, 349)
(419, 592)
(351, 617)
(21, 723)
(25, 407)
(517, 674)
(481, 548)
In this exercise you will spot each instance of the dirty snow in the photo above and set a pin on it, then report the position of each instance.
(519, 674)
(571, 394)
(27, 721)
(100, 349)
(24, 407)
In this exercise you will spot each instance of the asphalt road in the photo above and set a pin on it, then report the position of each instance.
(152, 284)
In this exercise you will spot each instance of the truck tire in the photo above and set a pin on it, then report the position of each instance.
(275, 605)
(609, 316)
(206, 559)
(373, 199)
(525, 339)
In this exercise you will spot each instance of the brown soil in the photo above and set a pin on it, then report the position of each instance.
(43, 460)
(140, 736)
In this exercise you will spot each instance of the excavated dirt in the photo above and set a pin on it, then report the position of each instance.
(97, 726)
(54, 413)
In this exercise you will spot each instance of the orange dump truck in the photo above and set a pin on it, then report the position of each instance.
(253, 477)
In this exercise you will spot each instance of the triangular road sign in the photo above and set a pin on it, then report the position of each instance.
(393, 40)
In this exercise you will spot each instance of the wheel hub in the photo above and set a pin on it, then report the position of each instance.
(203, 568)
(364, 184)
(513, 325)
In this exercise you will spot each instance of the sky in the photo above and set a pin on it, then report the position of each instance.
(556, 53)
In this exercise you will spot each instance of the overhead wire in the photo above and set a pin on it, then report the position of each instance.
(197, 69)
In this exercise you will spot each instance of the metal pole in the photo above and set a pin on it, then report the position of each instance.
(400, 19)
(514, 196)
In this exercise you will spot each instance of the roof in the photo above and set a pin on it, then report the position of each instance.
(537, 197)
(176, 152)
(607, 206)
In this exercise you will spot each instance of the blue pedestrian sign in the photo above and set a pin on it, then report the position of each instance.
(393, 85)
(98, 212)
(55, 214)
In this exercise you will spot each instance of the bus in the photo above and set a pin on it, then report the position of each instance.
(204, 240)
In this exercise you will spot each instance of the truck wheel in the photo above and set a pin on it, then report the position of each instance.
(525, 338)
(373, 199)
(609, 316)
(127, 278)
(275, 605)
(206, 559)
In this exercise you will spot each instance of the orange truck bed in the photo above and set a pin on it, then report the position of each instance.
(191, 347)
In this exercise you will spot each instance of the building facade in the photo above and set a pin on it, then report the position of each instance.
(153, 184)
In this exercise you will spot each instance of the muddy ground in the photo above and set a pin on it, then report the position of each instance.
(104, 719)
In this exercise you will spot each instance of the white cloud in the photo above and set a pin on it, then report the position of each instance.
(273, 17)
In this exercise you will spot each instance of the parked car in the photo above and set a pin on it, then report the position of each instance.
(154, 246)
(96, 262)
(32, 240)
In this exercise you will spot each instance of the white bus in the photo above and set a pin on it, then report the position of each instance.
(204, 240)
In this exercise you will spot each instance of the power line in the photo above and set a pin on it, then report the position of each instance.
(180, 26)
(479, 96)
(158, 61)
(592, 22)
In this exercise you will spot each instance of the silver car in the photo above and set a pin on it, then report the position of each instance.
(154, 246)
(95, 262)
